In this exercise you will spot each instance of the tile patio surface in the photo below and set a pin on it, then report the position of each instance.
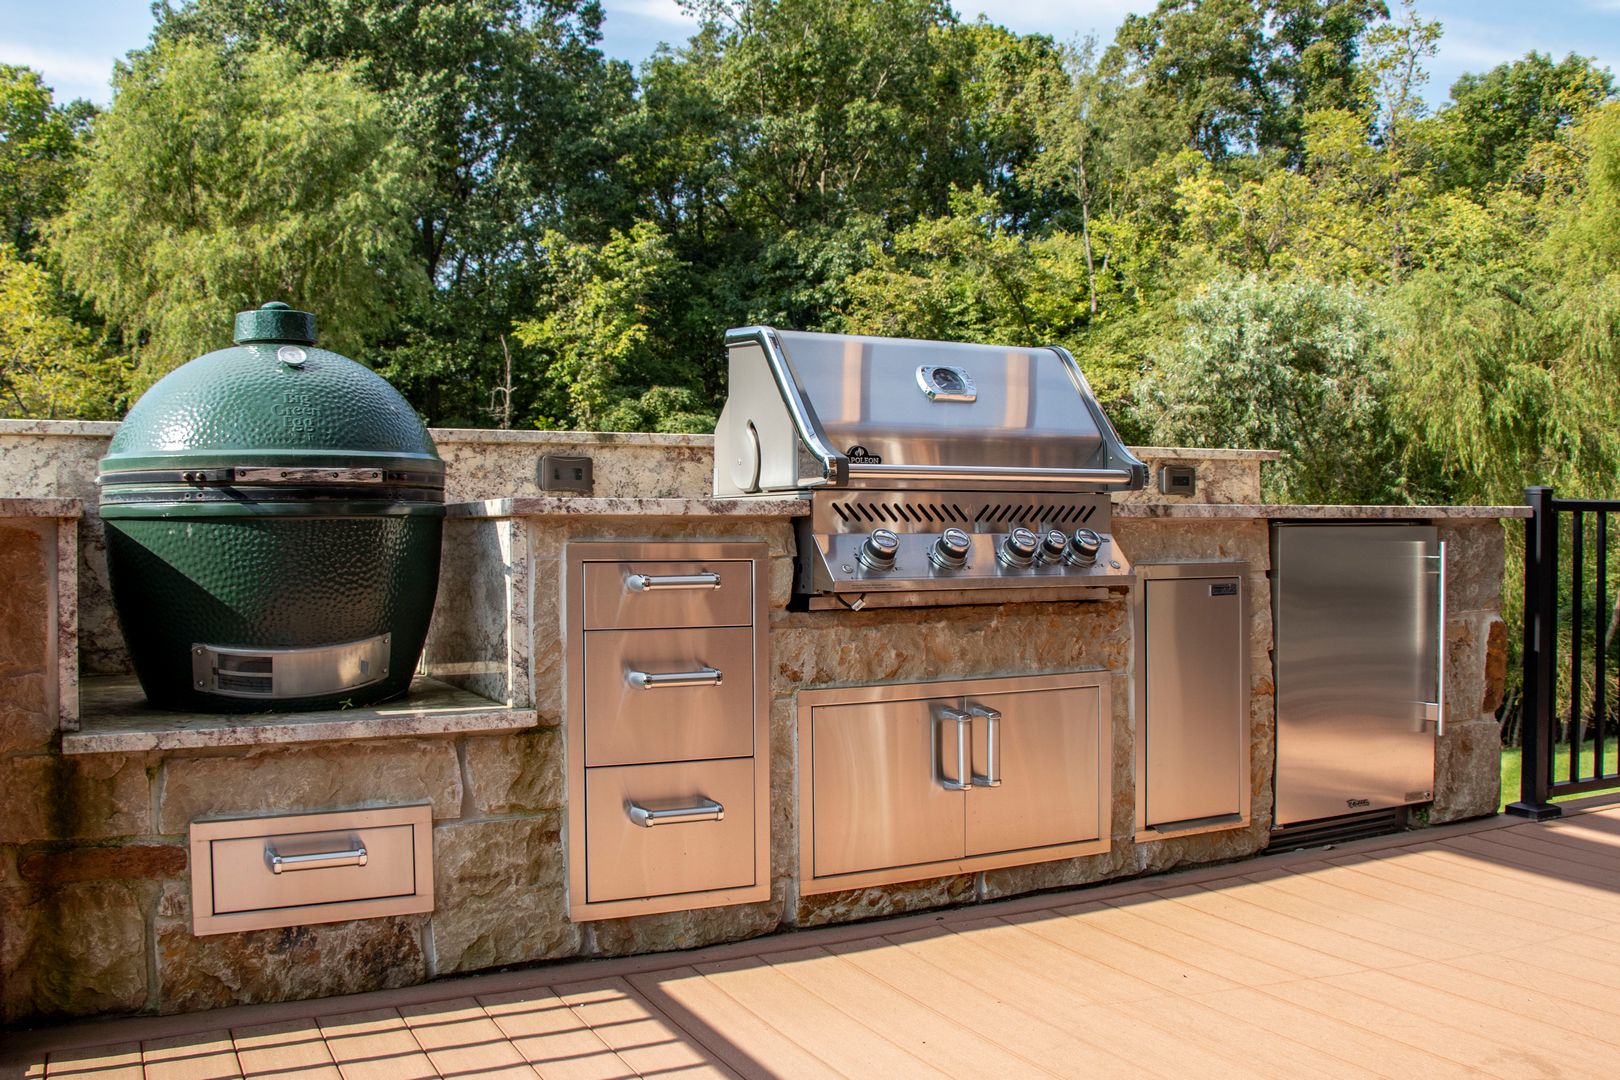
(1487, 949)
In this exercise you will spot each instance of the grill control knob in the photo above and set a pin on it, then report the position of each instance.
(951, 549)
(879, 550)
(1054, 542)
(1084, 546)
(1018, 549)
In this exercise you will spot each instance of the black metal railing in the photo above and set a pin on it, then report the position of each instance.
(1557, 577)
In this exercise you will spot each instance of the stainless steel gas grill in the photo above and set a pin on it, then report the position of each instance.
(938, 472)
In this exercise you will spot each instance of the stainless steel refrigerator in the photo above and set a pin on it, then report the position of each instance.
(1360, 618)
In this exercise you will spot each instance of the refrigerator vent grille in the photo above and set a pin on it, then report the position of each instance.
(1337, 830)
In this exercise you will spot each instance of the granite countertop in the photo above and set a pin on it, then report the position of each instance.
(1290, 512)
(117, 720)
(565, 506)
(46, 508)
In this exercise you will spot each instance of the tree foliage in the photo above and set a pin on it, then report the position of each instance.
(214, 183)
(50, 366)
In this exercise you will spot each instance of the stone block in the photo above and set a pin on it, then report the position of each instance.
(515, 774)
(900, 644)
(47, 797)
(84, 951)
(853, 905)
(27, 574)
(1496, 662)
(1475, 553)
(288, 964)
(1161, 540)
(310, 779)
(500, 894)
(1467, 771)
(1467, 647)
(28, 723)
(1061, 874)
(685, 929)
(117, 862)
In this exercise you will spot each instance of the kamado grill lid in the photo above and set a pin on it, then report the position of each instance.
(272, 422)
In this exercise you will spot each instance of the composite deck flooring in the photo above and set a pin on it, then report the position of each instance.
(1487, 949)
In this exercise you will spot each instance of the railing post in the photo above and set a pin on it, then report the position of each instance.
(1540, 656)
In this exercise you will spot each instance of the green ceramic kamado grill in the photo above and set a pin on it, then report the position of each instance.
(273, 515)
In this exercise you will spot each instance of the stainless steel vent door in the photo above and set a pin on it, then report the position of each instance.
(880, 785)
(1357, 667)
(1193, 716)
(1045, 769)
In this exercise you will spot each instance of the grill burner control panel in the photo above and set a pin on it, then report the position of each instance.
(1019, 555)
(888, 548)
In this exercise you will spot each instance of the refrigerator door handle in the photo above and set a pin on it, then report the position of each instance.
(1440, 651)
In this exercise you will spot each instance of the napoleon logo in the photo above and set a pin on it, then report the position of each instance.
(860, 455)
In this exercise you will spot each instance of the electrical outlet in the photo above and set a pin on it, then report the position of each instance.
(559, 472)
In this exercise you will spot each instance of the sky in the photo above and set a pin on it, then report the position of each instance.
(74, 42)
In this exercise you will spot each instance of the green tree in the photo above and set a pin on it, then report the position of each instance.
(37, 144)
(1493, 120)
(510, 112)
(215, 182)
(1290, 365)
(605, 344)
(1508, 348)
(1233, 77)
(50, 366)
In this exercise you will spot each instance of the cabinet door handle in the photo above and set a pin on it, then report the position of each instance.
(992, 743)
(964, 725)
(648, 816)
(320, 860)
(656, 583)
(648, 680)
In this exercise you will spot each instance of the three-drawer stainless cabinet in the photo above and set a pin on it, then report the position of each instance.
(668, 738)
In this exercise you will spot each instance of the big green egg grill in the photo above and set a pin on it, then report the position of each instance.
(273, 515)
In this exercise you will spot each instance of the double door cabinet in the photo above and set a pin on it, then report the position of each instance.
(900, 782)
(667, 749)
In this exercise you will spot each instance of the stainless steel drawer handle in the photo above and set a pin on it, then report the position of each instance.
(320, 860)
(649, 680)
(648, 816)
(654, 583)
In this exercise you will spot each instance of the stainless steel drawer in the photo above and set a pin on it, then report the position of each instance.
(636, 595)
(668, 695)
(653, 830)
(310, 868)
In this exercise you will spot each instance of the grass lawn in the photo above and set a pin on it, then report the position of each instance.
(1510, 768)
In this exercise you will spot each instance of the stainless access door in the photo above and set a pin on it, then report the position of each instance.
(1358, 621)
(1195, 728)
(1035, 772)
(888, 783)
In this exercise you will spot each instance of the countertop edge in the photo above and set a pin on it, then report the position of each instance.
(545, 506)
(1286, 512)
(41, 508)
(426, 723)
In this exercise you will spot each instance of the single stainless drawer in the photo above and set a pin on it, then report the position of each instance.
(310, 868)
(652, 830)
(668, 695)
(634, 595)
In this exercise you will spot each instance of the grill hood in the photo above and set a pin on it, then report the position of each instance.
(844, 411)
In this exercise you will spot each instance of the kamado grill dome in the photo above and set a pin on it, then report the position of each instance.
(273, 515)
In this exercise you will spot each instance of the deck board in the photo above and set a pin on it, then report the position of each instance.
(1490, 949)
